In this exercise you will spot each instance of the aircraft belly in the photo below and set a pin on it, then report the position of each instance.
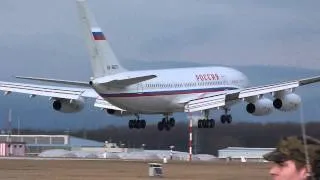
(147, 104)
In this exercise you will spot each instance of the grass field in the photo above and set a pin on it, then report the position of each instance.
(116, 170)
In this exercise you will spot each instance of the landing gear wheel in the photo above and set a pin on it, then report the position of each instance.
(229, 119)
(167, 127)
(131, 125)
(202, 123)
(205, 123)
(163, 120)
(137, 124)
(143, 124)
(166, 123)
(172, 122)
(160, 126)
(199, 123)
(212, 123)
(226, 119)
(223, 119)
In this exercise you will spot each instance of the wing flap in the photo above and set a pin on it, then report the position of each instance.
(205, 103)
(260, 90)
(73, 83)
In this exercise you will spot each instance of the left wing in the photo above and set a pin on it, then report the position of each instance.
(55, 92)
(220, 100)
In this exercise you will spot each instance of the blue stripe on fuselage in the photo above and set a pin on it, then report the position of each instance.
(175, 92)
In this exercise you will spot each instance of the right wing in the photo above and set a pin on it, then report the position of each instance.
(55, 92)
(220, 100)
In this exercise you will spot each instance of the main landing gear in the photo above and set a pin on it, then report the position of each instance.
(206, 122)
(226, 118)
(210, 123)
(166, 123)
(137, 123)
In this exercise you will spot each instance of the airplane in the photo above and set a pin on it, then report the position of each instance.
(132, 93)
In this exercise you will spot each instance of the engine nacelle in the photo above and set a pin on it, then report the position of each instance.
(287, 102)
(118, 113)
(67, 105)
(260, 107)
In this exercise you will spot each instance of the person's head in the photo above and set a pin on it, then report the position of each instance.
(290, 159)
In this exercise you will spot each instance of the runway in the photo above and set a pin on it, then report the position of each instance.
(76, 169)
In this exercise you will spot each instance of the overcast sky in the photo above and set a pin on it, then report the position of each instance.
(43, 37)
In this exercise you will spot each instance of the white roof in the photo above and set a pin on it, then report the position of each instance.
(246, 149)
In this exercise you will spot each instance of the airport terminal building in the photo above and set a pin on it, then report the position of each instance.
(237, 153)
(35, 144)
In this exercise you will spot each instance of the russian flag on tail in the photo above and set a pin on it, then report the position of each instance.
(97, 34)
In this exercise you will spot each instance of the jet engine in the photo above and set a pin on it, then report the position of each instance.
(260, 107)
(68, 105)
(118, 113)
(287, 102)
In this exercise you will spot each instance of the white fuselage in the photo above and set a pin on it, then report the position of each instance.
(169, 91)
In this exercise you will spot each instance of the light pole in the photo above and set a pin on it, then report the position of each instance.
(122, 146)
(18, 125)
(171, 151)
(143, 146)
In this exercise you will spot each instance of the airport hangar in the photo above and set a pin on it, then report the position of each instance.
(35, 144)
(239, 153)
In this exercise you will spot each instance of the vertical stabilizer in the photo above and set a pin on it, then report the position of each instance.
(103, 60)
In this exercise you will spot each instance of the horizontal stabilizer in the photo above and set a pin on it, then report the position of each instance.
(58, 81)
(120, 83)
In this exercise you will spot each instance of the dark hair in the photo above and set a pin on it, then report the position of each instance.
(299, 165)
(315, 169)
